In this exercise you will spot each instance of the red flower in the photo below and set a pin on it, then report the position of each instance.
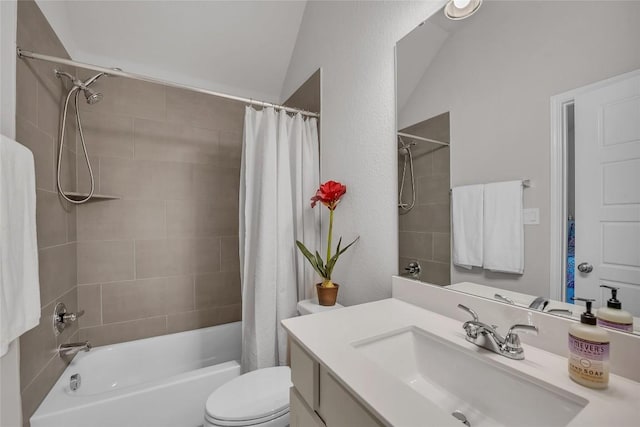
(329, 194)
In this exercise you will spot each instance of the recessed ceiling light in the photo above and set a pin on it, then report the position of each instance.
(460, 9)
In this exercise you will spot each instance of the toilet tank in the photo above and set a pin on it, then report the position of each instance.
(310, 307)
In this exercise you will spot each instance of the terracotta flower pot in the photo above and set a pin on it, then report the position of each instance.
(327, 296)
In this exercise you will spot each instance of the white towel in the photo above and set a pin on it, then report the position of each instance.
(503, 227)
(19, 284)
(467, 214)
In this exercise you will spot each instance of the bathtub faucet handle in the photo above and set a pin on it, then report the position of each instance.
(72, 317)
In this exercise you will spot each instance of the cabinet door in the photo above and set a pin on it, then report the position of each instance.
(338, 408)
(300, 415)
(304, 375)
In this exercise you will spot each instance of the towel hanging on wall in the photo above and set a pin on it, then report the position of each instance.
(19, 283)
(503, 245)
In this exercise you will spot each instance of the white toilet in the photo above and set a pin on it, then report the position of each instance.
(259, 398)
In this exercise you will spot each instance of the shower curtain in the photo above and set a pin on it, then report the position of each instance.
(279, 175)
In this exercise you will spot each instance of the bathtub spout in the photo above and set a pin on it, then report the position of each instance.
(67, 351)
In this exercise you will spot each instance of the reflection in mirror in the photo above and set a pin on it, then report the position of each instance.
(518, 84)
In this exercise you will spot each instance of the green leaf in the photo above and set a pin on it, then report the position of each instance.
(334, 259)
(320, 263)
(312, 260)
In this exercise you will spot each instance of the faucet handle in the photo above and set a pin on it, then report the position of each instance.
(512, 340)
(470, 311)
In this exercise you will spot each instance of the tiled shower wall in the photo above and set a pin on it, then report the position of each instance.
(163, 257)
(425, 232)
(38, 95)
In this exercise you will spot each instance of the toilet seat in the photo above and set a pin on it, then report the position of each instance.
(253, 398)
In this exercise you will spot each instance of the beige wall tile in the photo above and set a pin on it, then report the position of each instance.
(57, 267)
(107, 134)
(68, 170)
(105, 261)
(83, 181)
(50, 96)
(204, 111)
(37, 390)
(148, 180)
(26, 88)
(432, 189)
(187, 321)
(51, 219)
(436, 273)
(213, 183)
(230, 313)
(124, 331)
(229, 254)
(37, 347)
(90, 300)
(437, 217)
(442, 247)
(174, 142)
(159, 258)
(416, 245)
(441, 161)
(137, 299)
(43, 148)
(206, 256)
(215, 220)
(180, 294)
(217, 289)
(121, 219)
(182, 219)
(127, 97)
(230, 148)
(71, 224)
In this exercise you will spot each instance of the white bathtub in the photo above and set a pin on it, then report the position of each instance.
(161, 381)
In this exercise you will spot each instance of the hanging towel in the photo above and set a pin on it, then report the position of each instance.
(19, 284)
(503, 227)
(467, 225)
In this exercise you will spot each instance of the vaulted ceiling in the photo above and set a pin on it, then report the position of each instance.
(237, 47)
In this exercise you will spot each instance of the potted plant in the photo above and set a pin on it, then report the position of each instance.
(329, 194)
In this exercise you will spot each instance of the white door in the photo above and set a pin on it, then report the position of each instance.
(607, 193)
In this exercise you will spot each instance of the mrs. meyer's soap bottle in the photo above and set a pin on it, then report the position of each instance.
(588, 351)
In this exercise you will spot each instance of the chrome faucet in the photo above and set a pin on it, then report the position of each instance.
(67, 351)
(486, 336)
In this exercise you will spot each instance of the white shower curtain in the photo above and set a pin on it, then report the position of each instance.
(279, 175)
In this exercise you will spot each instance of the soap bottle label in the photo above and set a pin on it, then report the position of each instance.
(627, 327)
(589, 360)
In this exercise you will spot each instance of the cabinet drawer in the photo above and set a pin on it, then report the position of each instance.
(304, 375)
(338, 408)
(301, 415)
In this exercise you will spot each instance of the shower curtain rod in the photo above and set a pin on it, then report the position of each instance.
(117, 72)
(419, 138)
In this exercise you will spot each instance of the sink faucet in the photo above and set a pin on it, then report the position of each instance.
(67, 351)
(486, 336)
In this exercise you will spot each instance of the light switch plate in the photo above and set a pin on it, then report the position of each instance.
(531, 216)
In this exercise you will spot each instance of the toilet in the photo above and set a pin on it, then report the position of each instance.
(259, 398)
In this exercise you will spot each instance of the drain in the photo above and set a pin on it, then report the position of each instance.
(460, 416)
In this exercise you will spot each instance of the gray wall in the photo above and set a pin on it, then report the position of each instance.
(496, 75)
(164, 257)
(38, 96)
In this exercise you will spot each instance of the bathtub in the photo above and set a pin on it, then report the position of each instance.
(161, 381)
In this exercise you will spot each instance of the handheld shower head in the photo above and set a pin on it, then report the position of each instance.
(91, 95)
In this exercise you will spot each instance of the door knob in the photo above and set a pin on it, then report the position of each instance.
(585, 267)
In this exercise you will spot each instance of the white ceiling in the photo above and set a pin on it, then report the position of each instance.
(238, 47)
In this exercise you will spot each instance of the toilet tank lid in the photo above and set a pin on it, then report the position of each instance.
(251, 396)
(309, 307)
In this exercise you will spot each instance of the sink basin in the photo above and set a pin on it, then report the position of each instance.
(476, 388)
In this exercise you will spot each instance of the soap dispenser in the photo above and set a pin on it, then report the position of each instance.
(613, 316)
(588, 350)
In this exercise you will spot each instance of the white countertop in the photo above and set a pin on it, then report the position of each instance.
(329, 337)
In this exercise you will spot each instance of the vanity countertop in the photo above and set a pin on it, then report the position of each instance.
(329, 337)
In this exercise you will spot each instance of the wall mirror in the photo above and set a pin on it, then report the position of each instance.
(545, 93)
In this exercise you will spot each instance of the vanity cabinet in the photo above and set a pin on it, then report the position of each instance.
(318, 399)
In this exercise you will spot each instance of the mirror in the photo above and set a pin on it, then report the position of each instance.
(544, 93)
